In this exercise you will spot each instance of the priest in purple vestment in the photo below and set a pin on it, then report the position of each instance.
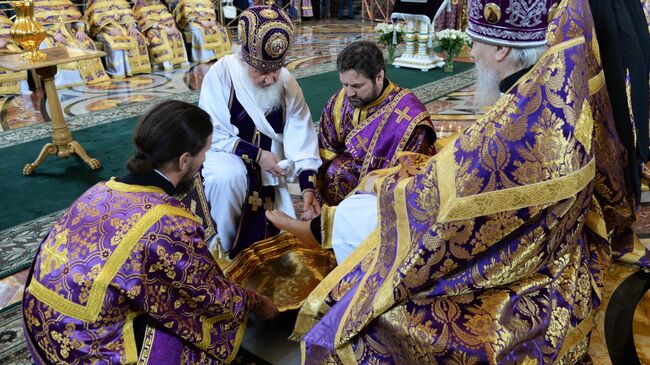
(493, 250)
(367, 123)
(125, 276)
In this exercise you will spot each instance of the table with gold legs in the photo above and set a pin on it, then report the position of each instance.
(62, 143)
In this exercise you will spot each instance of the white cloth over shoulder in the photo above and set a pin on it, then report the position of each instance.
(354, 219)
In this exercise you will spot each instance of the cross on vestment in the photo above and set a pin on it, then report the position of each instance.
(55, 254)
(246, 158)
(255, 201)
(362, 143)
(403, 115)
(312, 179)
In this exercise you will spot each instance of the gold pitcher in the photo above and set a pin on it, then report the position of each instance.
(26, 31)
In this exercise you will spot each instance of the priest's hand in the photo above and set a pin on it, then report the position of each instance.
(132, 32)
(311, 206)
(81, 35)
(115, 32)
(59, 37)
(269, 162)
(266, 310)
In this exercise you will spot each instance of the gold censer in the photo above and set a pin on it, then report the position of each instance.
(26, 31)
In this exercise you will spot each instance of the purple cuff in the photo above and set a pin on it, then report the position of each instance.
(307, 180)
(247, 151)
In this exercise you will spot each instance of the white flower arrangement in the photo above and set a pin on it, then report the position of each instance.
(452, 41)
(386, 30)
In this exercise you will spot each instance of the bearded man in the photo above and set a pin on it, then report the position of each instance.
(125, 276)
(263, 133)
(491, 250)
(367, 123)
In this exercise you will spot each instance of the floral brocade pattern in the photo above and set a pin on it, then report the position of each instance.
(116, 254)
(490, 252)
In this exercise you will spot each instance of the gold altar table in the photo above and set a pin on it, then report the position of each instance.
(62, 143)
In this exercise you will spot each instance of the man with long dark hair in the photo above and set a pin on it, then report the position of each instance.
(125, 276)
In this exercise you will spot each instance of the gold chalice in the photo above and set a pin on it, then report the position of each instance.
(26, 31)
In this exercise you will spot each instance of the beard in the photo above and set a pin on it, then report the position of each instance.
(487, 86)
(186, 184)
(268, 97)
(359, 102)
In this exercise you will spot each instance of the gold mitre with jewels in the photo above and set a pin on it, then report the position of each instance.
(265, 34)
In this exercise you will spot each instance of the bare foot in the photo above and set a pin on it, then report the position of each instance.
(300, 229)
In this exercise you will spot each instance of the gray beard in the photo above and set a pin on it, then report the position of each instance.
(487, 86)
(268, 98)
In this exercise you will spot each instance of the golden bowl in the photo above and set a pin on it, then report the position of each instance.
(282, 268)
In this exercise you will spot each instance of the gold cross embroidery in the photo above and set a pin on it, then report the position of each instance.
(246, 158)
(52, 257)
(268, 203)
(255, 201)
(403, 115)
(362, 143)
(312, 179)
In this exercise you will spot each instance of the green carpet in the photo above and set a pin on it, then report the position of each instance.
(57, 182)
(319, 88)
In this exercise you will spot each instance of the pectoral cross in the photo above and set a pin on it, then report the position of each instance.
(402, 115)
(255, 201)
(362, 143)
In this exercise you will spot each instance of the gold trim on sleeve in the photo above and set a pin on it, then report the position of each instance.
(596, 83)
(327, 155)
(346, 354)
(337, 113)
(130, 348)
(327, 225)
(384, 298)
(453, 208)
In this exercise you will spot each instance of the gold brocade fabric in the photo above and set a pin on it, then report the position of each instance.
(201, 14)
(493, 250)
(104, 16)
(152, 16)
(9, 80)
(63, 17)
(281, 268)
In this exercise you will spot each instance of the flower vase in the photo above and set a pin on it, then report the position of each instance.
(391, 53)
(449, 62)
